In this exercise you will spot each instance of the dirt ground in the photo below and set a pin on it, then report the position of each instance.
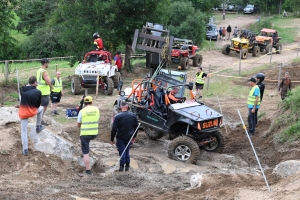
(234, 174)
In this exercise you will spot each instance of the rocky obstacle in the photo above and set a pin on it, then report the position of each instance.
(8, 115)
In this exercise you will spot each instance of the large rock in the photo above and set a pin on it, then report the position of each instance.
(8, 115)
(287, 168)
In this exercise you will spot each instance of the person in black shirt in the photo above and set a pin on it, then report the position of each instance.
(260, 77)
(124, 126)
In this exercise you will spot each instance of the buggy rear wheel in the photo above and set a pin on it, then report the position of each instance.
(184, 149)
(226, 49)
(197, 61)
(152, 133)
(214, 142)
(268, 48)
(75, 85)
(108, 86)
(256, 51)
(185, 63)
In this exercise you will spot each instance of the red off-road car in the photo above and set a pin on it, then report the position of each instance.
(182, 51)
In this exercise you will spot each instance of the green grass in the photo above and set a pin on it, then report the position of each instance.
(141, 62)
(260, 115)
(296, 61)
(256, 70)
(208, 45)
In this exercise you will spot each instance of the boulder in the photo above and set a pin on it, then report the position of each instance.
(8, 115)
(287, 168)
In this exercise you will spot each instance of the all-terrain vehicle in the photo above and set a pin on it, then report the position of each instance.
(243, 44)
(190, 124)
(96, 63)
(182, 51)
(267, 39)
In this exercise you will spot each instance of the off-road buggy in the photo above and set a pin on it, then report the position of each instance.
(267, 39)
(182, 51)
(96, 63)
(190, 124)
(243, 45)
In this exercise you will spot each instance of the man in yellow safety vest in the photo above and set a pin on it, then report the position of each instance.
(44, 85)
(56, 93)
(200, 76)
(88, 119)
(253, 105)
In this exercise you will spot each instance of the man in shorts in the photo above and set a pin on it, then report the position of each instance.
(87, 121)
(200, 76)
(44, 85)
(56, 93)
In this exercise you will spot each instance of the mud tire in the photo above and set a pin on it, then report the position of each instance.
(184, 145)
(217, 145)
(256, 51)
(197, 61)
(116, 79)
(152, 133)
(278, 48)
(109, 86)
(75, 85)
(268, 47)
(244, 53)
(226, 49)
(184, 63)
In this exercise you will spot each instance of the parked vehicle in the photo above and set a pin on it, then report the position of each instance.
(211, 32)
(252, 9)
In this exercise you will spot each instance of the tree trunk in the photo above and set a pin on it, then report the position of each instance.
(128, 52)
(223, 9)
(279, 7)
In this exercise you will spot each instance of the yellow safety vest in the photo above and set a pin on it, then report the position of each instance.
(251, 97)
(89, 121)
(199, 79)
(42, 86)
(57, 85)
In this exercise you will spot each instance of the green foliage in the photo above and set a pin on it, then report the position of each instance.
(292, 101)
(186, 22)
(7, 42)
(263, 23)
(260, 115)
(291, 133)
(33, 14)
(291, 5)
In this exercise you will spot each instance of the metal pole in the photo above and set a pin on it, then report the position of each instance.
(279, 75)
(262, 170)
(221, 112)
(208, 77)
(271, 54)
(240, 64)
(6, 71)
(126, 147)
(18, 84)
(97, 85)
(298, 49)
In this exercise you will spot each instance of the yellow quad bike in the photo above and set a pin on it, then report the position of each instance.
(243, 45)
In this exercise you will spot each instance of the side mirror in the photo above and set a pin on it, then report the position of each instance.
(122, 93)
(191, 85)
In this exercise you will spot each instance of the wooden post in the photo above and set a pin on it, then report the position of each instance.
(279, 75)
(97, 85)
(6, 71)
(208, 76)
(271, 54)
(240, 64)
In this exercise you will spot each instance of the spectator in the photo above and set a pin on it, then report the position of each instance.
(223, 33)
(228, 31)
(253, 105)
(235, 31)
(56, 93)
(29, 107)
(200, 76)
(220, 33)
(284, 86)
(118, 61)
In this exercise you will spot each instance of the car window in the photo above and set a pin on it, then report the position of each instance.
(249, 6)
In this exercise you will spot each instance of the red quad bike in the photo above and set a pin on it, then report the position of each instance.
(96, 63)
(182, 51)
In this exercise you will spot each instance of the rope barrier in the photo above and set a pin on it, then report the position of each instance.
(38, 59)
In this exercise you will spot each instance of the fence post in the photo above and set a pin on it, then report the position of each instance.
(240, 64)
(6, 70)
(208, 77)
(279, 75)
(271, 54)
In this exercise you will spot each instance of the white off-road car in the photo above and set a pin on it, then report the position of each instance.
(96, 63)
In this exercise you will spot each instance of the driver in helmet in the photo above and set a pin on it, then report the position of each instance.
(260, 77)
(98, 45)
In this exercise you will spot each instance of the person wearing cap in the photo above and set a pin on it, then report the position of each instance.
(44, 85)
(200, 76)
(29, 107)
(284, 86)
(172, 96)
(98, 45)
(124, 125)
(56, 93)
(87, 121)
(253, 105)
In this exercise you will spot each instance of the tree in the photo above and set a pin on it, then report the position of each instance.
(34, 14)
(7, 42)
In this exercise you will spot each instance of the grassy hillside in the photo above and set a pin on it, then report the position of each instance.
(20, 37)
